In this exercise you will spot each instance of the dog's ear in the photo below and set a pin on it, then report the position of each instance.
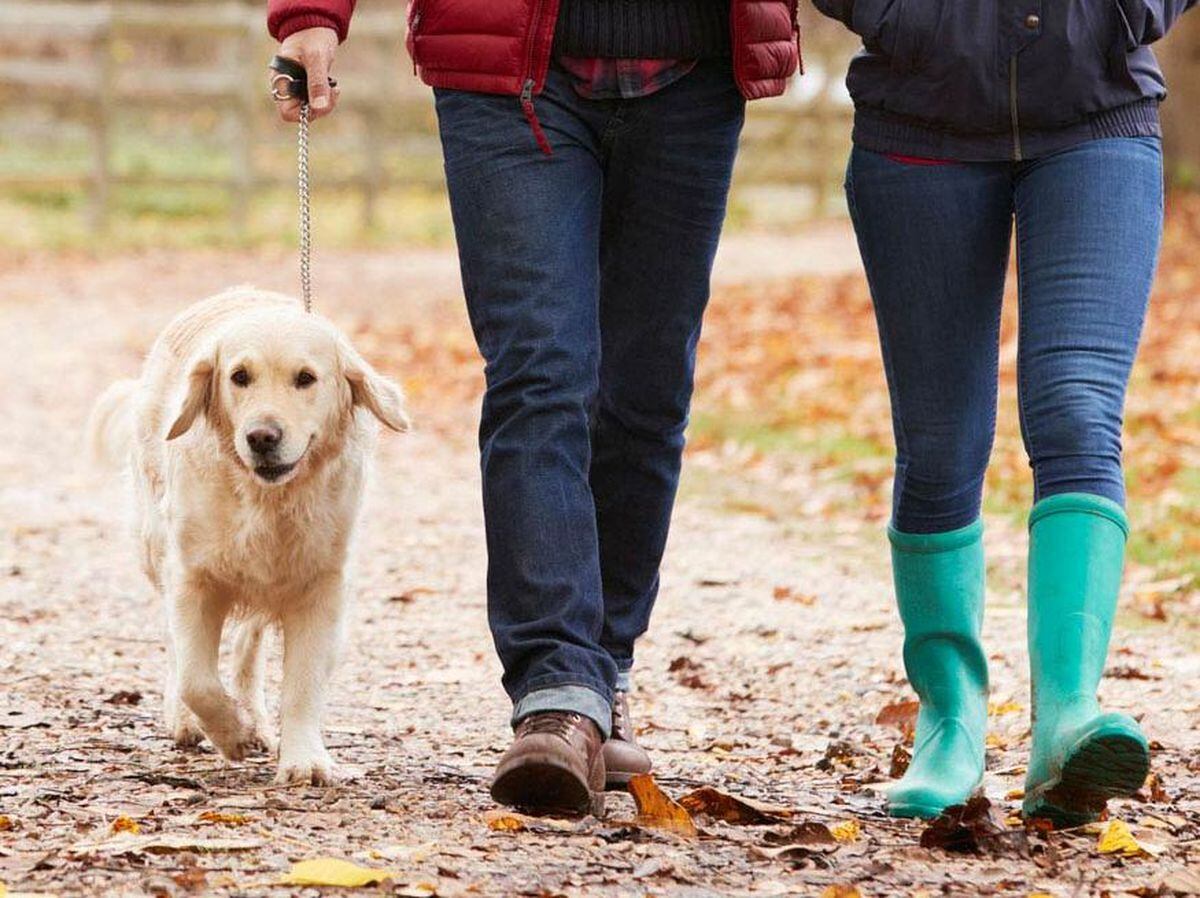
(379, 395)
(198, 397)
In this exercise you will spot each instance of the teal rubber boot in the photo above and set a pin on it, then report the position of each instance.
(1081, 756)
(940, 590)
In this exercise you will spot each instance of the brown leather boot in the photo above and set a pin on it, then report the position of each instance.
(555, 763)
(623, 757)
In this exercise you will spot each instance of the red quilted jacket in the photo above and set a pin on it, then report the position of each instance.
(503, 46)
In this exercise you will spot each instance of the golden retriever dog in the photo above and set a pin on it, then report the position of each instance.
(249, 436)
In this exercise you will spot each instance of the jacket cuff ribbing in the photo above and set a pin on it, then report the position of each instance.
(285, 28)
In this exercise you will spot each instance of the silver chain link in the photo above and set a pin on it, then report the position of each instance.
(305, 211)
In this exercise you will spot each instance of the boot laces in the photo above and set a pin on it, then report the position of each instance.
(553, 723)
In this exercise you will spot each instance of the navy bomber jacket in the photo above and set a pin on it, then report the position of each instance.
(988, 80)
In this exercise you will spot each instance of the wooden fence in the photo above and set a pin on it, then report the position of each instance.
(107, 69)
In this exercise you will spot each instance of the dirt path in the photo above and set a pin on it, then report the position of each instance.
(774, 647)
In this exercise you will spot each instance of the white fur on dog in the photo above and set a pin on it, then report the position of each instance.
(221, 541)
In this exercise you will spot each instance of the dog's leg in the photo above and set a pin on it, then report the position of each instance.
(181, 722)
(312, 634)
(250, 675)
(197, 618)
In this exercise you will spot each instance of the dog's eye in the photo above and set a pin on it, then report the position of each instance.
(240, 377)
(305, 379)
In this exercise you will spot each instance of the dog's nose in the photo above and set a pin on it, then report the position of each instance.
(263, 439)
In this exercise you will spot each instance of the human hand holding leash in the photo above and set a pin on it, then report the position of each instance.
(314, 49)
(304, 91)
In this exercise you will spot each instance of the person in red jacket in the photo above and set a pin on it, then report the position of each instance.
(588, 149)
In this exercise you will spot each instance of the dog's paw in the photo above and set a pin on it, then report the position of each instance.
(264, 741)
(184, 728)
(311, 769)
(238, 739)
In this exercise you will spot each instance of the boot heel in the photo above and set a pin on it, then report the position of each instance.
(1100, 767)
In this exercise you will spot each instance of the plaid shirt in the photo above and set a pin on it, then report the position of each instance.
(623, 79)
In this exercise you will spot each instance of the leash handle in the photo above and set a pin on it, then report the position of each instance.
(291, 81)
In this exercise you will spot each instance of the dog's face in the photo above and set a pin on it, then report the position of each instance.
(280, 388)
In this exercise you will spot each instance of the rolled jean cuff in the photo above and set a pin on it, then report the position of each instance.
(624, 681)
(570, 698)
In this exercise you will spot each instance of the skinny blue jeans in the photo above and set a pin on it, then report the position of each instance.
(935, 243)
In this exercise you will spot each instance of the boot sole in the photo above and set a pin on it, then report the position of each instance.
(540, 784)
(619, 782)
(1098, 768)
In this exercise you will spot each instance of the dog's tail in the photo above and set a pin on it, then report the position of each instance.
(110, 425)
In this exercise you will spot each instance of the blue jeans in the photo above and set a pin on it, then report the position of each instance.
(586, 274)
(935, 245)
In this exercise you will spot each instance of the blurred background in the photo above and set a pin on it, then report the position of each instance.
(131, 128)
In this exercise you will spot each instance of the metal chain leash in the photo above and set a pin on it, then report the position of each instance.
(305, 210)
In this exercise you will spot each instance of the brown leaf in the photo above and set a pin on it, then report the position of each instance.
(901, 715)
(788, 594)
(124, 697)
(709, 802)
(656, 809)
(974, 828)
(900, 761)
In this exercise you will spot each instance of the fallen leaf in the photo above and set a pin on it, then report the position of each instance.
(125, 824)
(900, 761)
(331, 871)
(6, 824)
(840, 891)
(846, 831)
(1116, 838)
(788, 594)
(226, 819)
(997, 709)
(1154, 785)
(124, 697)
(505, 821)
(657, 809)
(901, 715)
(711, 802)
(973, 828)
(127, 843)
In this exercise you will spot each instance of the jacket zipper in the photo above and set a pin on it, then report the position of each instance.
(1014, 110)
(527, 87)
(413, 24)
(531, 116)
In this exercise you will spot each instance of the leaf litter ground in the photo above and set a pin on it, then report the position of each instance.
(769, 689)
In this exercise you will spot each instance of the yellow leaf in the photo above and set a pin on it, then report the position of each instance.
(657, 809)
(330, 871)
(1116, 838)
(840, 891)
(505, 822)
(227, 819)
(846, 831)
(1014, 794)
(6, 823)
(125, 824)
(3, 890)
(996, 709)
